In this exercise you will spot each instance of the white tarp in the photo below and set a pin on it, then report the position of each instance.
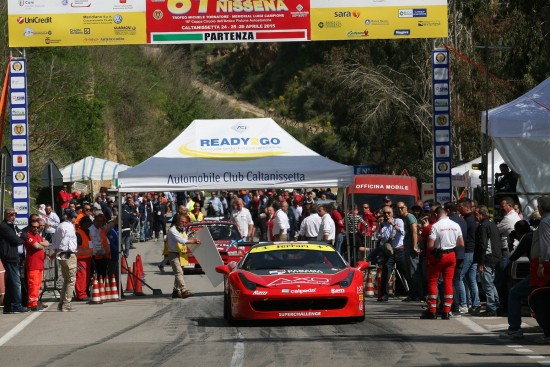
(521, 133)
(473, 175)
(232, 154)
(92, 168)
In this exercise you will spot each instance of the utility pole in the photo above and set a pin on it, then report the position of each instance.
(486, 146)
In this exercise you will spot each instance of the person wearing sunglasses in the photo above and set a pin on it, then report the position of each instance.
(35, 245)
(9, 254)
(390, 234)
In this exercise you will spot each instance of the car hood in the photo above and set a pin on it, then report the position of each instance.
(285, 277)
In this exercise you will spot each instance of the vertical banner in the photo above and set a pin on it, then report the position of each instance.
(19, 140)
(442, 125)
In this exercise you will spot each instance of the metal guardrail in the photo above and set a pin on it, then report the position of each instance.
(51, 281)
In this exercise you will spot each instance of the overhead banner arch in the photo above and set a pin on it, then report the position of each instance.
(46, 23)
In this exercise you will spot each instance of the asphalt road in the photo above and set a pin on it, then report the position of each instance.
(155, 330)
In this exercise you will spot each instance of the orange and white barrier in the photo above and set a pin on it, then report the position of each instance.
(114, 290)
(369, 289)
(96, 296)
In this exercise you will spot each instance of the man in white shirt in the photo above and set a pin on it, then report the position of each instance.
(52, 222)
(281, 224)
(445, 236)
(309, 228)
(216, 204)
(243, 219)
(505, 227)
(327, 230)
(65, 245)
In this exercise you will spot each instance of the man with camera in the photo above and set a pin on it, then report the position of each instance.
(445, 236)
(390, 234)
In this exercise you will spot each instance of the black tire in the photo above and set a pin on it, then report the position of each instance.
(358, 318)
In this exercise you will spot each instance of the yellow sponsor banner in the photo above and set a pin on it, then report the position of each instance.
(84, 29)
(363, 23)
(293, 246)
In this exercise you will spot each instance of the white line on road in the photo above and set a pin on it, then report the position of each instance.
(237, 360)
(18, 328)
(523, 350)
(472, 325)
(481, 330)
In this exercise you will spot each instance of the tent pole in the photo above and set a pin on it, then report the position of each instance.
(120, 253)
(50, 173)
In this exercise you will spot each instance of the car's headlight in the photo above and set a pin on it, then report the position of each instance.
(247, 283)
(344, 283)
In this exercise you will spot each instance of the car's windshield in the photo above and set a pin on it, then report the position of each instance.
(293, 259)
(224, 232)
(220, 232)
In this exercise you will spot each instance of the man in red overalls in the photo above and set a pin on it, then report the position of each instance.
(445, 236)
(35, 245)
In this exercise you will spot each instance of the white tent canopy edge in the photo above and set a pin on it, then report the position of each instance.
(234, 153)
(520, 131)
(92, 168)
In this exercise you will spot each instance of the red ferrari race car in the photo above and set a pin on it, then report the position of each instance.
(227, 238)
(293, 280)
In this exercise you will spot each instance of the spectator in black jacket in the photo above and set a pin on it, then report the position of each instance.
(10, 240)
(522, 232)
(487, 254)
(129, 217)
(469, 267)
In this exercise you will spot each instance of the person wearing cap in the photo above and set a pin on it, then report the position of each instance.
(64, 243)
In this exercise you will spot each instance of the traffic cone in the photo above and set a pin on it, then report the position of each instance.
(391, 284)
(124, 269)
(140, 264)
(369, 291)
(96, 297)
(108, 297)
(114, 290)
(130, 279)
(379, 282)
(101, 288)
(138, 290)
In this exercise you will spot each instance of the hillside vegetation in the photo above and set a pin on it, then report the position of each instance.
(357, 102)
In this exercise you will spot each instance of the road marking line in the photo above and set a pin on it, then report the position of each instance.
(237, 360)
(472, 325)
(18, 328)
(518, 348)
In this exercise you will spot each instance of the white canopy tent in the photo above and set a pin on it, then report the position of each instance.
(92, 168)
(521, 133)
(232, 154)
(472, 176)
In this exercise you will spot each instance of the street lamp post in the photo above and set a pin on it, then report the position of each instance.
(487, 192)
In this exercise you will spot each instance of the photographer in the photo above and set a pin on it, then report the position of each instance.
(390, 234)
(505, 184)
